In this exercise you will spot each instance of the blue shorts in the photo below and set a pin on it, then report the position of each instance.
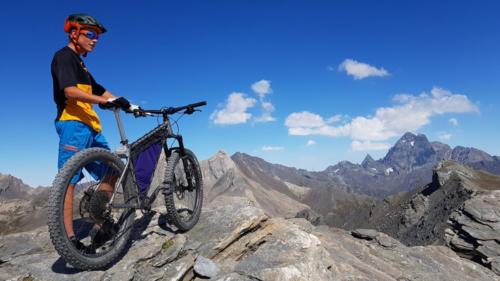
(75, 136)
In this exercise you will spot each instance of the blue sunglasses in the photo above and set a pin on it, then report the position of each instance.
(90, 34)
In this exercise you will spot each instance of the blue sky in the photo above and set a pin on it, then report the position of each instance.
(333, 80)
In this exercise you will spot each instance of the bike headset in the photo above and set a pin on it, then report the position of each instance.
(79, 22)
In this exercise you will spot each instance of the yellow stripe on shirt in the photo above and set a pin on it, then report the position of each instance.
(81, 111)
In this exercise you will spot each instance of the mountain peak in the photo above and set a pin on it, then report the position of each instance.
(367, 161)
(408, 136)
(368, 158)
(216, 166)
(410, 151)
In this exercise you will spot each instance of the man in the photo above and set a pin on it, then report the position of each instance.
(75, 90)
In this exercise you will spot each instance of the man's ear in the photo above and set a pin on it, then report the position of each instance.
(73, 34)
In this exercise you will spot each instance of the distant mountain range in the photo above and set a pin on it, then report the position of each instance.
(342, 192)
(407, 165)
(22, 207)
(339, 194)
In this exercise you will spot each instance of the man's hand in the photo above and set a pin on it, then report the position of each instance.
(120, 102)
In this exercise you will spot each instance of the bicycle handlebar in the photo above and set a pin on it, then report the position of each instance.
(189, 109)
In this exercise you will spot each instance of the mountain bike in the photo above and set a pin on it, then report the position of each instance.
(106, 188)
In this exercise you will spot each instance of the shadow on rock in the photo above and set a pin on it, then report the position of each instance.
(165, 224)
(61, 267)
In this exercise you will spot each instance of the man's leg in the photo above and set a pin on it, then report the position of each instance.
(108, 179)
(73, 137)
(68, 211)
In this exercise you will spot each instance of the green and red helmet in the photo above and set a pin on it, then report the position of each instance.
(82, 21)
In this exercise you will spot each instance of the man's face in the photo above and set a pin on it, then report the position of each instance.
(87, 39)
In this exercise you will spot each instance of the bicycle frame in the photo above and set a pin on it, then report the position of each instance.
(160, 133)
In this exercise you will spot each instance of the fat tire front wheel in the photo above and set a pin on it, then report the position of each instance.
(183, 201)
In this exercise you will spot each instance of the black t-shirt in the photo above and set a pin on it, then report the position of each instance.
(69, 70)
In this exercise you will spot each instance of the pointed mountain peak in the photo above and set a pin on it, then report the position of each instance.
(368, 160)
(220, 163)
(408, 136)
(412, 140)
(221, 153)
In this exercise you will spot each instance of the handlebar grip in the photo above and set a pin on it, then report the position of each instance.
(201, 103)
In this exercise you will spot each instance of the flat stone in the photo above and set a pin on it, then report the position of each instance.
(385, 240)
(368, 234)
(206, 267)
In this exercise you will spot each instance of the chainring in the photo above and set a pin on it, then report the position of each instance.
(93, 205)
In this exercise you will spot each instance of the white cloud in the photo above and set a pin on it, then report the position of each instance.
(272, 148)
(267, 109)
(445, 136)
(234, 111)
(304, 119)
(360, 70)
(311, 143)
(410, 113)
(453, 121)
(262, 88)
(368, 145)
(334, 119)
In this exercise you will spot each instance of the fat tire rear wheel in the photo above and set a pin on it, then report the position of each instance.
(174, 179)
(56, 214)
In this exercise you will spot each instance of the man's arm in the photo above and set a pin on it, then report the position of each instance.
(108, 95)
(80, 95)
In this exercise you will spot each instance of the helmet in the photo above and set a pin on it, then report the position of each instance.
(80, 21)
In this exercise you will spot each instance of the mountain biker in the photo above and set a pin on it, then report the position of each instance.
(75, 90)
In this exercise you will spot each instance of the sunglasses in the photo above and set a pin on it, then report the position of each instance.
(90, 34)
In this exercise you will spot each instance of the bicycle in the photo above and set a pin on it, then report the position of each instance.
(103, 217)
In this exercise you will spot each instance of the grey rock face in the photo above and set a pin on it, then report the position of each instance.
(475, 229)
(420, 217)
(245, 244)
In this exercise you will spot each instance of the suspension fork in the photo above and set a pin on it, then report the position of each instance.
(185, 162)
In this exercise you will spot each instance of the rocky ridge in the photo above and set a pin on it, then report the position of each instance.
(459, 208)
(235, 240)
(22, 207)
(222, 176)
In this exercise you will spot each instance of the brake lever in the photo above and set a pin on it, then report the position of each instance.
(190, 111)
(139, 113)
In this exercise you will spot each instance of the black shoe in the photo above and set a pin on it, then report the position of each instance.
(100, 235)
(80, 246)
(77, 243)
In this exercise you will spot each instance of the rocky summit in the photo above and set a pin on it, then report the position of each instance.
(460, 208)
(235, 240)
